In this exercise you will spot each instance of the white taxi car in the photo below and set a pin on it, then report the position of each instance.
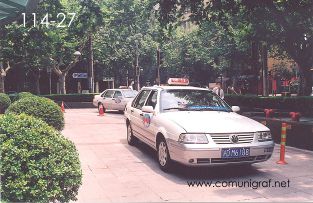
(195, 127)
(114, 99)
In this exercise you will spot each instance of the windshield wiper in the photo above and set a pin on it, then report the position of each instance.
(203, 109)
(178, 108)
(209, 109)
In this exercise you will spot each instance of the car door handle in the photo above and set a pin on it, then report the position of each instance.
(132, 111)
(141, 114)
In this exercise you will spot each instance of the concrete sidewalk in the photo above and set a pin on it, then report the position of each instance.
(116, 172)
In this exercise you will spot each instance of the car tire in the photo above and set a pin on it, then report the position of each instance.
(163, 155)
(131, 139)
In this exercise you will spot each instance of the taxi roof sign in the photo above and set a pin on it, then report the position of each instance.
(178, 81)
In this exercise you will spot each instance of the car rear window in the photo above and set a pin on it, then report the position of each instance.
(130, 93)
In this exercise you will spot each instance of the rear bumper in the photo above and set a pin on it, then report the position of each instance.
(195, 155)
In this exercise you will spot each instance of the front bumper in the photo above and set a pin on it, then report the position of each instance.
(206, 154)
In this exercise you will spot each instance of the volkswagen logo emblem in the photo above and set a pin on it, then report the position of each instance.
(233, 138)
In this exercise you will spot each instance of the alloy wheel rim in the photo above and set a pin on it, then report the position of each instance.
(162, 154)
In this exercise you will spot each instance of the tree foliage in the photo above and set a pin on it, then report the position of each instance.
(284, 24)
(128, 25)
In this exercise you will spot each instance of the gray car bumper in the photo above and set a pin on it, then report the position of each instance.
(206, 155)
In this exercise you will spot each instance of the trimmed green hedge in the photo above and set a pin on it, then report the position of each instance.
(5, 102)
(71, 97)
(38, 164)
(301, 104)
(22, 95)
(39, 107)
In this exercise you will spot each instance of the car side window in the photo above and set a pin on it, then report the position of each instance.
(140, 101)
(152, 100)
(117, 94)
(109, 94)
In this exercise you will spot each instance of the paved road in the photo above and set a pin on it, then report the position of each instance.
(114, 171)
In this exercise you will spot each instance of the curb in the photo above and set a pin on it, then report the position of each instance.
(297, 149)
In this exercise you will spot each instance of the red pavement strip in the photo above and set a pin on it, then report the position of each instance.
(116, 172)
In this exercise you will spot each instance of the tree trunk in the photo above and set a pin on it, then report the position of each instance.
(2, 84)
(37, 84)
(305, 86)
(62, 86)
(37, 81)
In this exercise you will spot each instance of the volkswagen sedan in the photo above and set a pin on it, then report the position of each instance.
(114, 99)
(195, 127)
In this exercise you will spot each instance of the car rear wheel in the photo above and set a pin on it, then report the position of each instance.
(131, 139)
(163, 155)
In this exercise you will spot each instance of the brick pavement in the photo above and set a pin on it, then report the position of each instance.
(116, 172)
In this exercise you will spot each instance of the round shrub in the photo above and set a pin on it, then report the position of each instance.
(4, 102)
(22, 95)
(39, 107)
(38, 164)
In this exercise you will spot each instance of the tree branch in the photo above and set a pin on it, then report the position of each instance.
(73, 63)
(8, 67)
(55, 68)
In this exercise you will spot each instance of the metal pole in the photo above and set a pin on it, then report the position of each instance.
(91, 71)
(158, 66)
(264, 70)
(221, 81)
(137, 67)
(127, 84)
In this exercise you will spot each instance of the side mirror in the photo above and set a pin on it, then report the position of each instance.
(235, 108)
(147, 109)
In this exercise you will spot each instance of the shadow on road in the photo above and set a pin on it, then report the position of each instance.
(181, 173)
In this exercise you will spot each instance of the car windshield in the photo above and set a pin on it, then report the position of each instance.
(130, 93)
(192, 100)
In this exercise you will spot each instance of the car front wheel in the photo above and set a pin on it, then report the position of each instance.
(131, 139)
(163, 155)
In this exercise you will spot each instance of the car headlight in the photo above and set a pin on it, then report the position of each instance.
(264, 136)
(193, 139)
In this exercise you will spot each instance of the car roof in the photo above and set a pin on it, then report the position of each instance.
(120, 89)
(175, 88)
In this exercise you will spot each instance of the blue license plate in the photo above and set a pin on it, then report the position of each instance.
(235, 152)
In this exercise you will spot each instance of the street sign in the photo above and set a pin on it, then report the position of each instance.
(80, 75)
(107, 79)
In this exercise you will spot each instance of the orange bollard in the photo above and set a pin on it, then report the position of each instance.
(282, 144)
(62, 107)
(101, 111)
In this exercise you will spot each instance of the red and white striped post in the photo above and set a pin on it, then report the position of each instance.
(282, 144)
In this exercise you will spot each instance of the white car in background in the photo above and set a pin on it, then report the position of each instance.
(195, 127)
(114, 99)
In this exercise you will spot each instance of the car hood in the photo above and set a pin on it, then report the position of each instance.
(213, 122)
